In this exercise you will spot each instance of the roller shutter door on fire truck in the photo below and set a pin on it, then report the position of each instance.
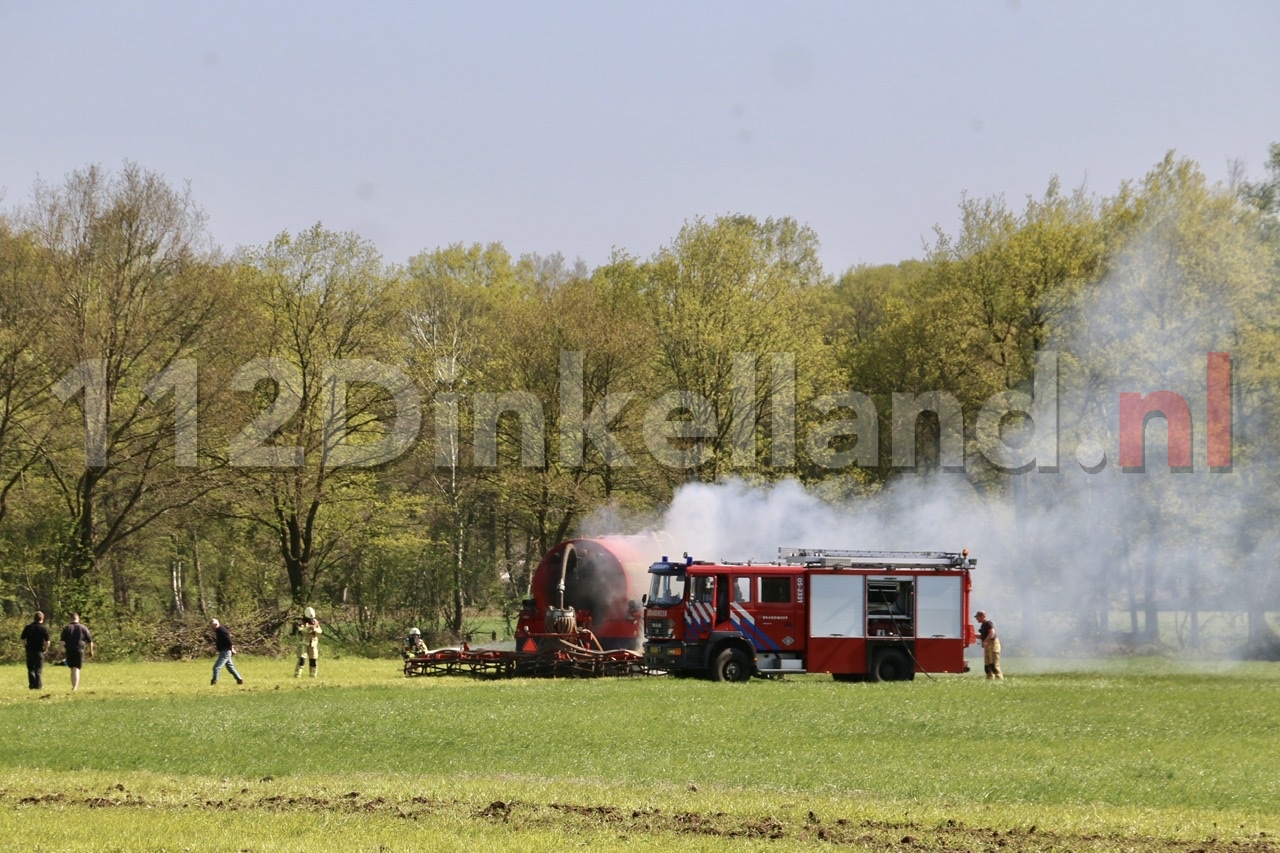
(837, 624)
(940, 624)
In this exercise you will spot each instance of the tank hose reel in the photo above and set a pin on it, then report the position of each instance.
(561, 620)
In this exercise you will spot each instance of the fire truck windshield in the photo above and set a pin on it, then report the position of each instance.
(666, 590)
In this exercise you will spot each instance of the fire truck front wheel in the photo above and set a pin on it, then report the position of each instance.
(731, 665)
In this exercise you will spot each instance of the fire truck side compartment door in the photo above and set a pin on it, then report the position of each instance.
(837, 624)
(938, 607)
(940, 624)
(835, 606)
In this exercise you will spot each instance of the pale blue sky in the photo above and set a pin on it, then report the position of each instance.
(579, 127)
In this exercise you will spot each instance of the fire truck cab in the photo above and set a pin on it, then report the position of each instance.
(879, 615)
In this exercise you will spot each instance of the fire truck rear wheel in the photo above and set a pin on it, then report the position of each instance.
(891, 665)
(731, 665)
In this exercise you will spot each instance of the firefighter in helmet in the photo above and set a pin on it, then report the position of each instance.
(308, 630)
(413, 644)
(990, 646)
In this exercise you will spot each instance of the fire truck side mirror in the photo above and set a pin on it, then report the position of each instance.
(644, 600)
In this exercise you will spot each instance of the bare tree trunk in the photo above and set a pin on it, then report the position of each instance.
(175, 578)
(119, 583)
(459, 558)
(1131, 591)
(1193, 604)
(1150, 607)
(1263, 642)
(201, 602)
(1031, 618)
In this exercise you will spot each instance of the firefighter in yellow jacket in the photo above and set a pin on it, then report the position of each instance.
(414, 645)
(308, 630)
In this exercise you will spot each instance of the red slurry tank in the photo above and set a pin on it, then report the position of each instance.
(598, 583)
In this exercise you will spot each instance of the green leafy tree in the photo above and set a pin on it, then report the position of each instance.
(576, 353)
(452, 292)
(1186, 274)
(329, 402)
(735, 307)
(135, 295)
(24, 377)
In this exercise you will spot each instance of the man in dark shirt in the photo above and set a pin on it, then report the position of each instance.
(990, 647)
(36, 638)
(75, 639)
(226, 649)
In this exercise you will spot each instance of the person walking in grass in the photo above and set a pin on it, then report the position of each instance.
(226, 650)
(36, 638)
(990, 646)
(76, 639)
(309, 631)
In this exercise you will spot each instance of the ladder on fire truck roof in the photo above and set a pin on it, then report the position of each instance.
(878, 559)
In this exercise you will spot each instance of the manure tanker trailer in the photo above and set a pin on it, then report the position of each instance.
(591, 585)
(584, 616)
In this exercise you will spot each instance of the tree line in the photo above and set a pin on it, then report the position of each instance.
(185, 431)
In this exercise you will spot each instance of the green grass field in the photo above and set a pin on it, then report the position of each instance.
(1097, 755)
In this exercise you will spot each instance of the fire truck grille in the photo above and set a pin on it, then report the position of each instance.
(659, 629)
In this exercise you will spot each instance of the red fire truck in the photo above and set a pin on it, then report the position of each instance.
(880, 615)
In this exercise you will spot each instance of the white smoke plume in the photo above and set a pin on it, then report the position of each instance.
(1082, 554)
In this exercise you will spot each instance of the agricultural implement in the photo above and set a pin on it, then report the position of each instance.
(538, 656)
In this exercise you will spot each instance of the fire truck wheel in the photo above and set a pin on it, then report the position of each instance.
(891, 665)
(731, 665)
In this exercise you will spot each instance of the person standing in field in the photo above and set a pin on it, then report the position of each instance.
(414, 644)
(36, 638)
(309, 631)
(226, 650)
(990, 646)
(76, 638)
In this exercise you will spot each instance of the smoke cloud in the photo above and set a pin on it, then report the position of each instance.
(1086, 556)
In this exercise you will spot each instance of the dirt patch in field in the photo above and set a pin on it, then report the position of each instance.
(624, 823)
(842, 832)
